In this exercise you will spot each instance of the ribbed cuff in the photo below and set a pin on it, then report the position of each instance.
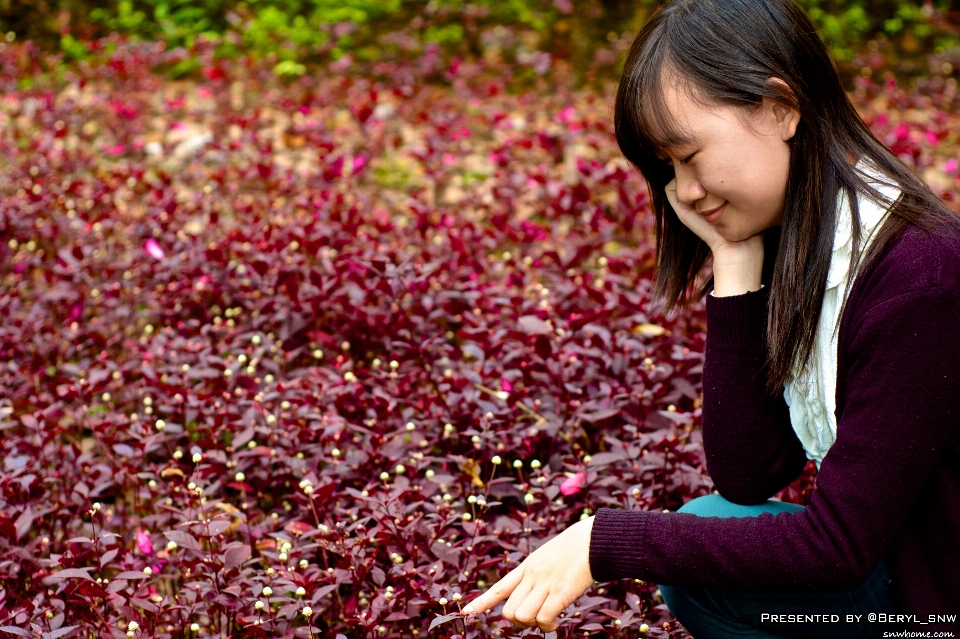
(737, 321)
(616, 544)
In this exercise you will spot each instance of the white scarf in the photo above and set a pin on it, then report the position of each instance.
(811, 393)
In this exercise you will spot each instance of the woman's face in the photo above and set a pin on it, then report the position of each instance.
(733, 168)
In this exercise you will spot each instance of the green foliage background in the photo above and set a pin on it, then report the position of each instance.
(301, 31)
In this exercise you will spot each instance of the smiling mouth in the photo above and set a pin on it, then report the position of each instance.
(713, 214)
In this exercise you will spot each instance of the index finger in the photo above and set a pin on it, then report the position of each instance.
(497, 593)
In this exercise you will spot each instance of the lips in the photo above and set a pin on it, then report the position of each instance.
(713, 214)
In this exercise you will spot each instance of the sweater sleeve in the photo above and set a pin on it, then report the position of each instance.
(900, 413)
(751, 449)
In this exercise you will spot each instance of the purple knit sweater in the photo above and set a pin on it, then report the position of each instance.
(889, 485)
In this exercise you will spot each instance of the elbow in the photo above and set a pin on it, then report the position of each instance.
(742, 495)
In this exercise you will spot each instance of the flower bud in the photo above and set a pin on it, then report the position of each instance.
(496, 460)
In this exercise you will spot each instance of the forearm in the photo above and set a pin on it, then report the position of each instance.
(751, 449)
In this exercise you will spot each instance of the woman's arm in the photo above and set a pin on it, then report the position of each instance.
(751, 449)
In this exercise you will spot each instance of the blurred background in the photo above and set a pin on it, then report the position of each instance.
(586, 38)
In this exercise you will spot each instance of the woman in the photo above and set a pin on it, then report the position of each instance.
(832, 335)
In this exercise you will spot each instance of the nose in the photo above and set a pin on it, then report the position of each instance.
(689, 189)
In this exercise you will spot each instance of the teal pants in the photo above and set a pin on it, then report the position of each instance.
(715, 614)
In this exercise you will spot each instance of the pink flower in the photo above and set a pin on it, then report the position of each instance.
(506, 385)
(572, 484)
(567, 114)
(153, 248)
(358, 163)
(932, 137)
(144, 544)
(902, 132)
(951, 166)
(115, 150)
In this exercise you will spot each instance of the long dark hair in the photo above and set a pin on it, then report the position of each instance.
(725, 52)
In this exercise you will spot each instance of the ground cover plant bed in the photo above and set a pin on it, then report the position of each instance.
(329, 356)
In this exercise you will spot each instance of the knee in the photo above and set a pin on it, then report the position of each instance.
(705, 505)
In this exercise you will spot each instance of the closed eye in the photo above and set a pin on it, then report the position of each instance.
(685, 160)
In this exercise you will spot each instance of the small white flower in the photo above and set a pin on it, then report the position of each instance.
(282, 556)
(177, 454)
(148, 570)
(197, 458)
(472, 499)
(227, 372)
(308, 490)
(411, 426)
(456, 596)
(307, 611)
(267, 591)
(535, 464)
(161, 424)
(517, 463)
(301, 591)
(384, 476)
(349, 376)
(496, 460)
(255, 339)
(430, 473)
(529, 498)
(105, 397)
(304, 563)
(394, 364)
(400, 469)
(194, 627)
(172, 545)
(466, 517)
(502, 395)
(443, 601)
(317, 354)
(240, 476)
(133, 625)
(335, 452)
(271, 419)
(258, 605)
(644, 628)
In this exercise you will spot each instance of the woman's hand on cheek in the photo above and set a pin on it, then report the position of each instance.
(549, 580)
(693, 220)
